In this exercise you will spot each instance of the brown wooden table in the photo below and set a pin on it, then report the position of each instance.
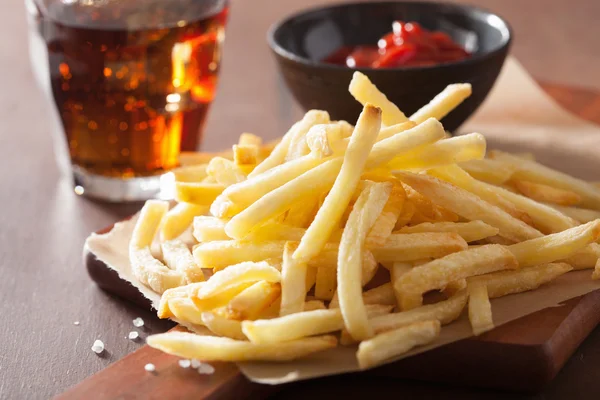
(43, 285)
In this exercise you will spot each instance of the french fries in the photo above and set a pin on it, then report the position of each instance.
(401, 247)
(480, 309)
(557, 246)
(508, 282)
(438, 273)
(366, 209)
(366, 92)
(443, 103)
(298, 228)
(469, 206)
(470, 231)
(444, 152)
(211, 348)
(146, 268)
(532, 171)
(547, 194)
(337, 200)
(396, 342)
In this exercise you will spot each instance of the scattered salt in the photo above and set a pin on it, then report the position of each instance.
(133, 335)
(98, 346)
(150, 367)
(206, 369)
(76, 323)
(185, 363)
(138, 322)
(195, 363)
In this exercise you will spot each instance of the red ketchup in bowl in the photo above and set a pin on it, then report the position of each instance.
(407, 45)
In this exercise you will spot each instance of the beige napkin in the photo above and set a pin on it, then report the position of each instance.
(517, 116)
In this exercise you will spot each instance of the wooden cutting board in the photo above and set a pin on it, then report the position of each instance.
(522, 355)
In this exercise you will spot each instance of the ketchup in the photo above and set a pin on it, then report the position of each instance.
(409, 44)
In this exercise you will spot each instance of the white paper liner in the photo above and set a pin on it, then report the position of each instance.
(517, 116)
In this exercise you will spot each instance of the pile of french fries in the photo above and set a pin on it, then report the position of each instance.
(376, 234)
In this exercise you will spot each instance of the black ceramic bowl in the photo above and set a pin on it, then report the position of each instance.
(302, 40)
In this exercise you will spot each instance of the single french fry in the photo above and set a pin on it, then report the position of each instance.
(330, 213)
(469, 231)
(251, 302)
(534, 172)
(191, 173)
(557, 246)
(393, 343)
(349, 270)
(200, 193)
(444, 311)
(508, 282)
(446, 101)
(147, 269)
(298, 325)
(178, 257)
(480, 309)
(469, 206)
(212, 348)
(547, 194)
(487, 170)
(438, 273)
(225, 172)
(235, 275)
(392, 130)
(402, 247)
(208, 229)
(385, 223)
(298, 145)
(579, 214)
(250, 139)
(584, 258)
(222, 326)
(178, 219)
(366, 92)
(293, 282)
(223, 253)
(448, 151)
(245, 154)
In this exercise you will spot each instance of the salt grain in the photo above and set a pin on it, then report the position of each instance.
(76, 323)
(150, 367)
(98, 347)
(138, 322)
(195, 363)
(185, 363)
(206, 369)
(133, 335)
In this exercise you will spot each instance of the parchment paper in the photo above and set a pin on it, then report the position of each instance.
(517, 116)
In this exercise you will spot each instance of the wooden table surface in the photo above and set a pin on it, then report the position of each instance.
(44, 287)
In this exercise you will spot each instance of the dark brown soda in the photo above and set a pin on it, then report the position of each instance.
(132, 80)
